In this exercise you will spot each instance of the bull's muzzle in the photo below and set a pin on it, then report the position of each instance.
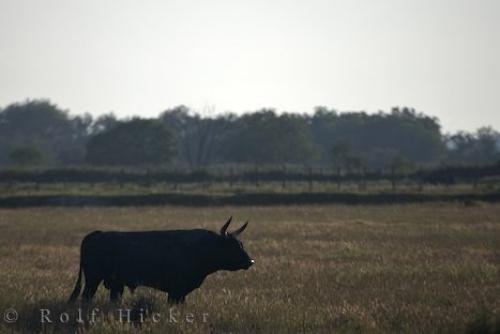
(250, 263)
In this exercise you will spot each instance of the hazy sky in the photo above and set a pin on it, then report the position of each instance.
(140, 57)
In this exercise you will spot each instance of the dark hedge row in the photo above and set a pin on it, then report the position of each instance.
(240, 199)
(441, 175)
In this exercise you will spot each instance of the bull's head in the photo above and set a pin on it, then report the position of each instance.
(235, 256)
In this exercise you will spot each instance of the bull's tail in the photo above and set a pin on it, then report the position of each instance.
(78, 286)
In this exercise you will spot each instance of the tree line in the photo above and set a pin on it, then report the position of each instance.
(38, 133)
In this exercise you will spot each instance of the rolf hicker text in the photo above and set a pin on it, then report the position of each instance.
(124, 315)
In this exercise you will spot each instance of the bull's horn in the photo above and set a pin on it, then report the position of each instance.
(223, 230)
(241, 229)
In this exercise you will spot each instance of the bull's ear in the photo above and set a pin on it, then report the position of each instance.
(223, 230)
(241, 229)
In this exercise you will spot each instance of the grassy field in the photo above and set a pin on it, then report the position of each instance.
(393, 268)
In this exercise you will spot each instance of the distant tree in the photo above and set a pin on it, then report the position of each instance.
(196, 136)
(74, 150)
(26, 156)
(345, 159)
(379, 158)
(43, 123)
(342, 155)
(481, 147)
(263, 137)
(415, 136)
(103, 123)
(132, 143)
(488, 145)
(322, 125)
(398, 165)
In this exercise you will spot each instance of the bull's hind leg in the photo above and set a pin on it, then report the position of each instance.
(115, 292)
(91, 284)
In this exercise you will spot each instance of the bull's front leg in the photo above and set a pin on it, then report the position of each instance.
(174, 299)
(177, 291)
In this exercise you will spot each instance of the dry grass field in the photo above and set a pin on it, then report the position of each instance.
(392, 268)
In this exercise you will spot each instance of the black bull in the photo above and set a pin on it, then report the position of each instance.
(175, 261)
